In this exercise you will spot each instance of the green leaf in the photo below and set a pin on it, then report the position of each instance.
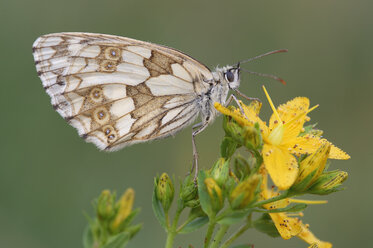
(289, 209)
(158, 211)
(133, 230)
(265, 225)
(228, 147)
(204, 197)
(194, 224)
(88, 239)
(233, 217)
(118, 241)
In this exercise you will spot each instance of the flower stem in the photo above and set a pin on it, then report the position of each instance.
(170, 239)
(237, 234)
(219, 236)
(210, 231)
(171, 231)
(273, 199)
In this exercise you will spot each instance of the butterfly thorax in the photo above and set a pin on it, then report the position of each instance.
(224, 78)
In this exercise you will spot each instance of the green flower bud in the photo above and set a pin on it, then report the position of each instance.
(105, 205)
(252, 136)
(192, 203)
(220, 171)
(124, 206)
(244, 192)
(165, 191)
(189, 192)
(241, 167)
(248, 136)
(311, 167)
(328, 182)
(215, 194)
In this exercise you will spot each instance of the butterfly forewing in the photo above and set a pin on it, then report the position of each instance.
(118, 91)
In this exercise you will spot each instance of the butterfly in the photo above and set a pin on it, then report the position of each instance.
(118, 91)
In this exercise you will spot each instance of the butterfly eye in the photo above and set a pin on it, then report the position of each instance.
(229, 76)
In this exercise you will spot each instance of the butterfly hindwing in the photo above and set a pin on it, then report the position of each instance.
(118, 91)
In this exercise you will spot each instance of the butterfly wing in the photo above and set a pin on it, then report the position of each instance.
(118, 91)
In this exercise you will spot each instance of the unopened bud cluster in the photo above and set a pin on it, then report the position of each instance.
(113, 221)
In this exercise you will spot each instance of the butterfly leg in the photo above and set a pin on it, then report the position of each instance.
(246, 97)
(201, 126)
(233, 97)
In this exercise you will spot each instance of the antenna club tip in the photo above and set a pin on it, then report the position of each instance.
(282, 81)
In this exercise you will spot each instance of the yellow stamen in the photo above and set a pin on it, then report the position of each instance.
(307, 201)
(272, 106)
(312, 108)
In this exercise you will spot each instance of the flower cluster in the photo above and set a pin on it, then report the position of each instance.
(284, 138)
(294, 156)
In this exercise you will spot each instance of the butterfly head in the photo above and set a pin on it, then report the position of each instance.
(231, 76)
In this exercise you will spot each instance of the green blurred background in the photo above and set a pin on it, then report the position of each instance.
(48, 175)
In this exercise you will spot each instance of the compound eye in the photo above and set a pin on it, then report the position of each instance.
(229, 76)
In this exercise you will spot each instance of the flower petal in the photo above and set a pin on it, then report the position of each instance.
(307, 236)
(237, 116)
(336, 153)
(289, 110)
(281, 166)
(306, 144)
(286, 226)
(252, 112)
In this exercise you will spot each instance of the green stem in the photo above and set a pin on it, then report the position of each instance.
(237, 234)
(170, 239)
(286, 194)
(190, 219)
(210, 230)
(171, 231)
(219, 236)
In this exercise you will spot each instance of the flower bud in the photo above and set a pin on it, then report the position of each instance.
(125, 204)
(165, 191)
(215, 194)
(245, 135)
(311, 167)
(220, 171)
(105, 205)
(244, 192)
(189, 192)
(241, 167)
(328, 182)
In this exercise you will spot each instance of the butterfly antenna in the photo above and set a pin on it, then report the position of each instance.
(265, 75)
(263, 55)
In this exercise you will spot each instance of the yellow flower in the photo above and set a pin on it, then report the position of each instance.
(281, 137)
(286, 225)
